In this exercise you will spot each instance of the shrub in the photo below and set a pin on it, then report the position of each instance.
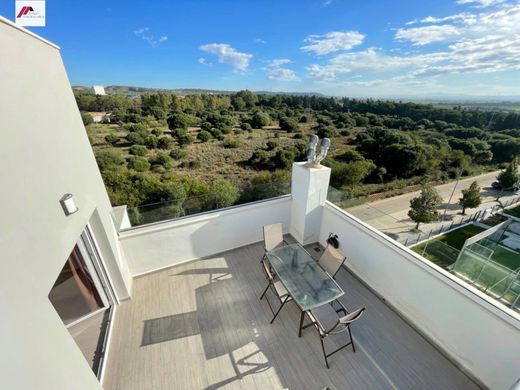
(326, 132)
(224, 193)
(138, 150)
(178, 154)
(164, 143)
(140, 164)
(231, 142)
(260, 119)
(151, 142)
(162, 159)
(137, 128)
(246, 127)
(108, 158)
(136, 138)
(112, 139)
(344, 132)
(179, 120)
(204, 136)
(193, 164)
(157, 132)
(259, 159)
(271, 145)
(183, 137)
(86, 118)
(283, 158)
(288, 124)
(298, 135)
(207, 126)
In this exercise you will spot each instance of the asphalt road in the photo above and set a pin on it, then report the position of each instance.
(391, 215)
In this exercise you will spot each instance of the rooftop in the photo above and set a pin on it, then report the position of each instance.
(201, 325)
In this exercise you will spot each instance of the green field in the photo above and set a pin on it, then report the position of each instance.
(515, 211)
(444, 249)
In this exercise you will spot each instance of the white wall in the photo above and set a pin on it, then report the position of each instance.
(44, 153)
(162, 245)
(482, 339)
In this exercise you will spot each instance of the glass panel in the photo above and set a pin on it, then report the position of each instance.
(163, 211)
(74, 294)
(307, 283)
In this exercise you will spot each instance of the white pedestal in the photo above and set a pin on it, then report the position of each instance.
(309, 188)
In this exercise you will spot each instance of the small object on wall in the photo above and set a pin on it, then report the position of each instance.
(333, 240)
(68, 204)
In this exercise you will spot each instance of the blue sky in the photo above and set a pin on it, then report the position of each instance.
(338, 47)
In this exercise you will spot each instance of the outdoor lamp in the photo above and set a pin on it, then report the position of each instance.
(68, 204)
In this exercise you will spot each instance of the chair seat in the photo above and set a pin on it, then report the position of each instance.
(280, 289)
(325, 316)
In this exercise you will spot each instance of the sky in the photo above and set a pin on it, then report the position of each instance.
(369, 48)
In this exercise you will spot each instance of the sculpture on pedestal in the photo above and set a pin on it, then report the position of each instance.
(314, 161)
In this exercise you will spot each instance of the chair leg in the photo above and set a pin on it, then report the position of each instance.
(263, 294)
(351, 339)
(301, 324)
(280, 308)
(324, 354)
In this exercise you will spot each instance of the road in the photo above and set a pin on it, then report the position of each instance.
(391, 215)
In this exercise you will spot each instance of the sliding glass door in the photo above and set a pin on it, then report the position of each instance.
(83, 299)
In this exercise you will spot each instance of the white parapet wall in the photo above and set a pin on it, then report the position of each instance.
(153, 247)
(482, 338)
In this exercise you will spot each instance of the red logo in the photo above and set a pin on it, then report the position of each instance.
(24, 11)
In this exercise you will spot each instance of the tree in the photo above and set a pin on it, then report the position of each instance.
(204, 136)
(179, 120)
(381, 172)
(138, 150)
(470, 197)
(108, 158)
(260, 119)
(183, 137)
(224, 193)
(140, 164)
(423, 209)
(350, 174)
(288, 124)
(86, 118)
(112, 139)
(509, 178)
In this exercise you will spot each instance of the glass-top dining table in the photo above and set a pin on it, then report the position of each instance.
(306, 282)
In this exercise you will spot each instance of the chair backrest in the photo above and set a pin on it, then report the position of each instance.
(273, 236)
(331, 260)
(346, 320)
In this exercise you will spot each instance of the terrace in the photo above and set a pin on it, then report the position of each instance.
(201, 325)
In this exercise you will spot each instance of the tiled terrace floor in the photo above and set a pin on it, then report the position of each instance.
(201, 326)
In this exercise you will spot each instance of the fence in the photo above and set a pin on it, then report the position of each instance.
(444, 227)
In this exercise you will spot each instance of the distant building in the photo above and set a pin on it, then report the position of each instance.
(98, 90)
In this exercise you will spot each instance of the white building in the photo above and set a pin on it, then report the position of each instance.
(181, 296)
(98, 90)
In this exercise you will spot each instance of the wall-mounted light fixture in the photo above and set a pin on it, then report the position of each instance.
(68, 204)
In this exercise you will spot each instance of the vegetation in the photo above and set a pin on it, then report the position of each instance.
(244, 138)
(423, 209)
(509, 178)
(470, 197)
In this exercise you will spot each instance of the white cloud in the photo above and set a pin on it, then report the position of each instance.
(260, 40)
(326, 3)
(276, 71)
(371, 61)
(419, 36)
(333, 41)
(464, 17)
(480, 3)
(228, 55)
(148, 38)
